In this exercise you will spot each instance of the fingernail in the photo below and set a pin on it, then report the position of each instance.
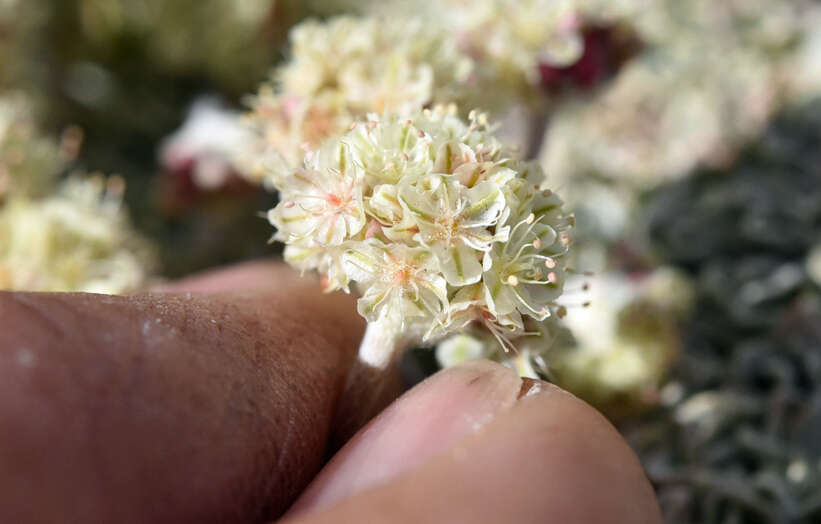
(531, 387)
(422, 423)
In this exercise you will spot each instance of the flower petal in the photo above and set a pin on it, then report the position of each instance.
(460, 264)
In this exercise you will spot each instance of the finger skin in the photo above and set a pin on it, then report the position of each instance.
(421, 424)
(550, 458)
(169, 407)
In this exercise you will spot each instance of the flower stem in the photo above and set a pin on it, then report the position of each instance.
(537, 126)
(383, 342)
(374, 380)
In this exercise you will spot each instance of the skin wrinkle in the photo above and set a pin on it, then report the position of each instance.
(186, 343)
(46, 320)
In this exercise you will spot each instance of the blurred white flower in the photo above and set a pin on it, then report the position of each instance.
(342, 69)
(206, 145)
(77, 239)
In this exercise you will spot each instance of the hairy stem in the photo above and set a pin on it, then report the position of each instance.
(383, 342)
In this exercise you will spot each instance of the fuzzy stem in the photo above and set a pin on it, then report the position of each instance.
(374, 380)
(537, 126)
(383, 342)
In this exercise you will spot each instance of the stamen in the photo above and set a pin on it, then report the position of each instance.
(513, 280)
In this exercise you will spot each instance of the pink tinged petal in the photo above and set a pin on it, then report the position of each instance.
(486, 202)
(372, 304)
(418, 204)
(332, 230)
(385, 203)
(544, 294)
(527, 305)
(546, 235)
(303, 256)
(479, 239)
(362, 265)
(293, 220)
(434, 287)
(500, 300)
(460, 264)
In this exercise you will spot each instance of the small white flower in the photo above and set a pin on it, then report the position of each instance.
(526, 274)
(77, 239)
(341, 70)
(399, 282)
(322, 201)
(454, 223)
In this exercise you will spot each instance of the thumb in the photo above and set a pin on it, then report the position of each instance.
(177, 406)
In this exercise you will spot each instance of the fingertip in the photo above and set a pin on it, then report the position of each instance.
(192, 406)
(423, 422)
(544, 454)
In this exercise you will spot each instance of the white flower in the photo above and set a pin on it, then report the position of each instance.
(508, 39)
(29, 163)
(458, 349)
(206, 144)
(399, 281)
(425, 215)
(321, 201)
(526, 275)
(343, 69)
(454, 221)
(77, 239)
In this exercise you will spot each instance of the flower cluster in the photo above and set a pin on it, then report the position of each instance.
(708, 81)
(433, 220)
(60, 236)
(29, 164)
(511, 37)
(343, 69)
(77, 239)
